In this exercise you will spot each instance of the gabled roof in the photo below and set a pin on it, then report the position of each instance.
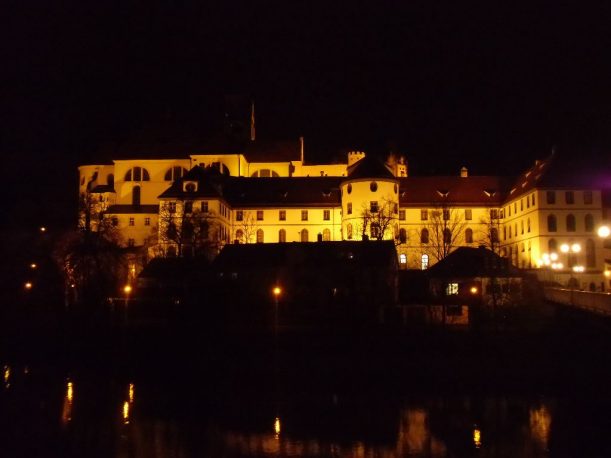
(369, 167)
(275, 255)
(466, 262)
(283, 191)
(451, 190)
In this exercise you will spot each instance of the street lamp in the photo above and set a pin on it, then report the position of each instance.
(603, 232)
(276, 291)
(127, 289)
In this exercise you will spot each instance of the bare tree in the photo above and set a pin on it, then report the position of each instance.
(442, 233)
(490, 230)
(190, 230)
(377, 220)
(247, 227)
(91, 257)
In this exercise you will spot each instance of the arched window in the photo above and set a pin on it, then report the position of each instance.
(552, 246)
(447, 236)
(281, 236)
(468, 235)
(137, 174)
(265, 173)
(424, 237)
(424, 262)
(375, 231)
(570, 223)
(304, 235)
(402, 235)
(239, 235)
(260, 235)
(589, 223)
(326, 235)
(349, 231)
(136, 196)
(174, 173)
(590, 253)
(552, 225)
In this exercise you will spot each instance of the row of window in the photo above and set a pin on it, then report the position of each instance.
(507, 233)
(569, 197)
(260, 215)
(132, 221)
(304, 236)
(530, 200)
(571, 223)
(142, 174)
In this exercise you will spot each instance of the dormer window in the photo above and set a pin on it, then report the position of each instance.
(489, 192)
(443, 192)
(189, 186)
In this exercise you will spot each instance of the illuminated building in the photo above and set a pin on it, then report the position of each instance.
(269, 194)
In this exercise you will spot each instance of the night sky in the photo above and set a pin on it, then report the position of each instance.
(487, 86)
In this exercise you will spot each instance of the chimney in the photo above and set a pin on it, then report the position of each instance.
(464, 173)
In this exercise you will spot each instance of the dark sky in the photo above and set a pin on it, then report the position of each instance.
(487, 86)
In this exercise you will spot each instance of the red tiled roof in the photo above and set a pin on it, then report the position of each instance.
(451, 190)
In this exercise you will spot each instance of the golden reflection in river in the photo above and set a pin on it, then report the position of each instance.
(68, 402)
(6, 374)
(415, 437)
(127, 405)
(540, 424)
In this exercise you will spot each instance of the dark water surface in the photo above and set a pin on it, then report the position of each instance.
(89, 390)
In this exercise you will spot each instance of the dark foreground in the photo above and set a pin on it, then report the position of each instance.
(75, 387)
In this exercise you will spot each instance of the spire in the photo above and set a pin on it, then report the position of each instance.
(252, 121)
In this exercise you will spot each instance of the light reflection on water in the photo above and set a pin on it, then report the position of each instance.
(417, 425)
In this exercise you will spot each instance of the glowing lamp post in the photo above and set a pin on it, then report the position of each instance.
(127, 290)
(276, 291)
(28, 285)
(604, 232)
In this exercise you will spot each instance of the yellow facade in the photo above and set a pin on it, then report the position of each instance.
(124, 192)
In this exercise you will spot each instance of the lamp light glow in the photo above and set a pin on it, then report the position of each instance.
(604, 231)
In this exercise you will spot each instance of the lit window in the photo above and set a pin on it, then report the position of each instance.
(304, 215)
(402, 258)
(424, 262)
(326, 235)
(282, 215)
(452, 289)
(259, 215)
(147, 221)
(239, 215)
(326, 215)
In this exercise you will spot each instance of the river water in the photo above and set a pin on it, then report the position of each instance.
(92, 391)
